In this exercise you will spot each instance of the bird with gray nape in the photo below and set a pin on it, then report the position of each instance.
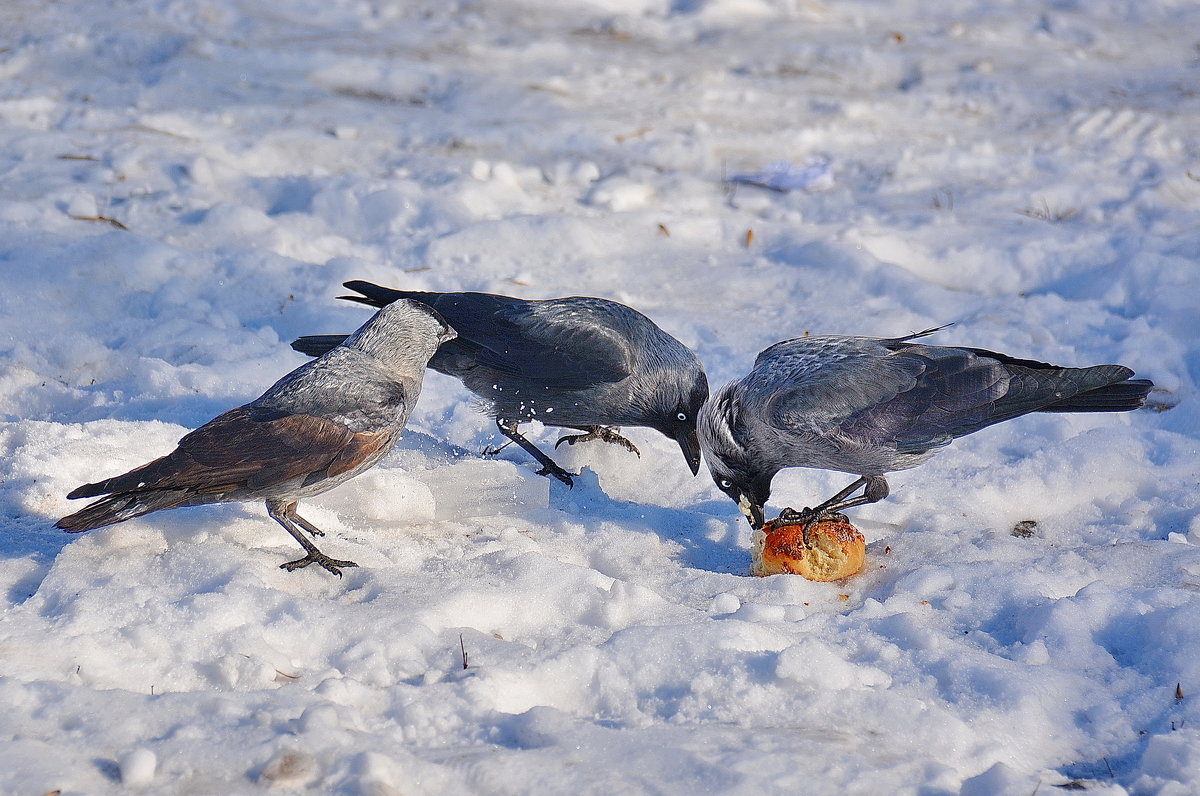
(869, 406)
(582, 363)
(318, 426)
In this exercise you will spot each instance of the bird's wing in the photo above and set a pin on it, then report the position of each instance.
(248, 448)
(820, 382)
(957, 392)
(569, 344)
(260, 448)
(909, 397)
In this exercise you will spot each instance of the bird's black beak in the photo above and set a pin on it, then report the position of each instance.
(754, 512)
(689, 443)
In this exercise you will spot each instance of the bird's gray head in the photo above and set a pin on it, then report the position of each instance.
(731, 460)
(676, 399)
(402, 336)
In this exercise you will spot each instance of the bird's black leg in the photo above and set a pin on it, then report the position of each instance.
(509, 429)
(603, 433)
(285, 514)
(875, 489)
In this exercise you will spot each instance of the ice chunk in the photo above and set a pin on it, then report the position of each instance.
(464, 488)
(481, 488)
(386, 494)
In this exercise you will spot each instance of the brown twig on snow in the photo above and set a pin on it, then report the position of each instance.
(105, 219)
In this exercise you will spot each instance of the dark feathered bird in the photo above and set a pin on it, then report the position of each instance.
(318, 426)
(587, 364)
(869, 406)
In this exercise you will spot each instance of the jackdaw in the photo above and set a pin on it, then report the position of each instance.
(318, 426)
(868, 406)
(583, 363)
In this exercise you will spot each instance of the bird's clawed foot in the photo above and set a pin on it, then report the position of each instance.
(555, 471)
(509, 429)
(875, 489)
(331, 565)
(602, 433)
(285, 514)
(808, 517)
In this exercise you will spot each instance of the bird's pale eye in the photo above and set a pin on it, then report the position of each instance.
(681, 416)
(726, 483)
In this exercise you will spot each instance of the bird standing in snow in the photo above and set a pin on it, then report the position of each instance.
(587, 364)
(868, 406)
(318, 426)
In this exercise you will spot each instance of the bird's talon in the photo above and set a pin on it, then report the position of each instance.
(610, 436)
(792, 515)
(331, 565)
(603, 434)
(806, 517)
(560, 474)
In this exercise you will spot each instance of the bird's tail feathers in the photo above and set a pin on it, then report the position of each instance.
(315, 345)
(1121, 396)
(375, 295)
(119, 483)
(120, 507)
(132, 481)
(88, 490)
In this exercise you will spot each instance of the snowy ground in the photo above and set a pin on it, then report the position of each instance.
(183, 187)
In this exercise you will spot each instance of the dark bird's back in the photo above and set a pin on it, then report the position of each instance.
(576, 362)
(869, 406)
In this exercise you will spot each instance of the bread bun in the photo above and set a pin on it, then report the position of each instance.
(838, 549)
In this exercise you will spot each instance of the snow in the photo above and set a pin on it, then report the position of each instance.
(184, 187)
(137, 768)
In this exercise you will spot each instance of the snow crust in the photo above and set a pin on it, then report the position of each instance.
(184, 186)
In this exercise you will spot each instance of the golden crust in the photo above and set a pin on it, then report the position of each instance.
(838, 550)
